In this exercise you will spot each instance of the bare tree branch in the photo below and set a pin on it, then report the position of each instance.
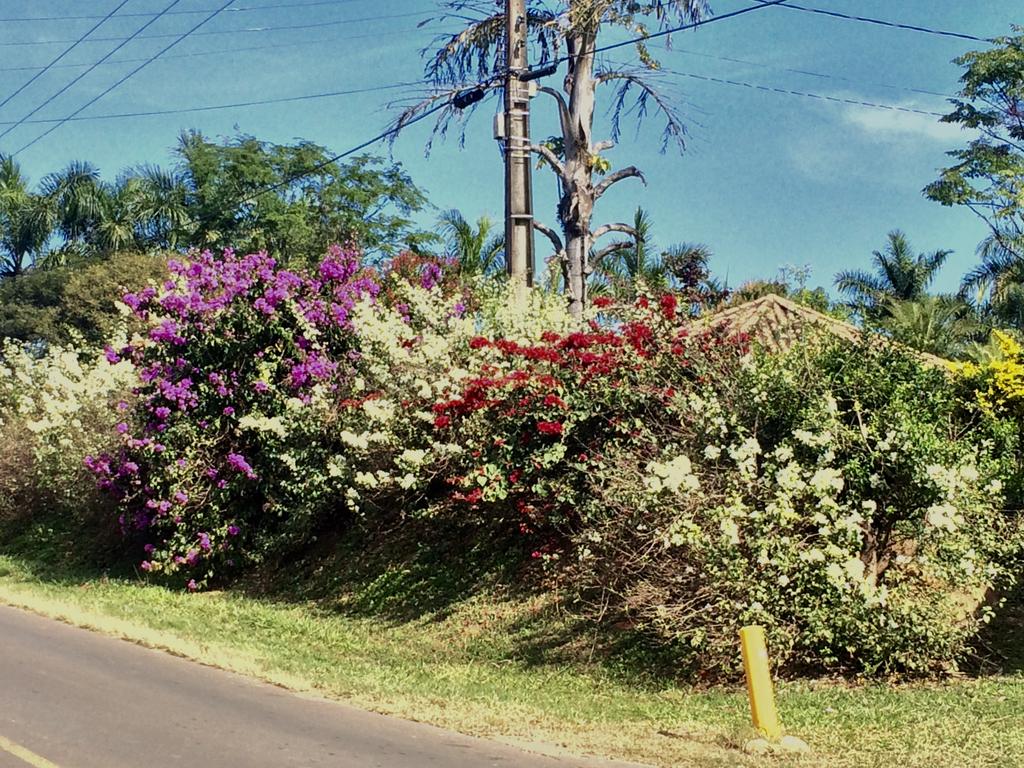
(600, 255)
(551, 235)
(601, 146)
(563, 107)
(551, 158)
(612, 178)
(628, 229)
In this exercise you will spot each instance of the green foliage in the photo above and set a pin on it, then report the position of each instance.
(476, 251)
(315, 202)
(815, 298)
(898, 275)
(987, 176)
(26, 220)
(65, 305)
(209, 200)
(631, 268)
(940, 325)
(856, 503)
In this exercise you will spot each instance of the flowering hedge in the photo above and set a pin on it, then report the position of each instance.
(838, 496)
(846, 498)
(54, 408)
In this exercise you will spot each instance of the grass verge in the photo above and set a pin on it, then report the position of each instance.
(464, 668)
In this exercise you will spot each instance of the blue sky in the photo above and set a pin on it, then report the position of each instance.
(767, 179)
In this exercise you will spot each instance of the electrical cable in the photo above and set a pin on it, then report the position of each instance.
(62, 54)
(880, 22)
(130, 74)
(806, 94)
(68, 86)
(215, 107)
(655, 35)
(222, 51)
(483, 85)
(341, 155)
(191, 12)
(811, 73)
(243, 30)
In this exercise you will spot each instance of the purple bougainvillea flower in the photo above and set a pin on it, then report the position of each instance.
(238, 462)
(431, 276)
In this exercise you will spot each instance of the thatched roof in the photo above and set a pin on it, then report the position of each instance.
(776, 324)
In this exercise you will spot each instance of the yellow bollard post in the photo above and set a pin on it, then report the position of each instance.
(759, 682)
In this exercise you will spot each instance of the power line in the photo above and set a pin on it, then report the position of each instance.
(654, 35)
(446, 102)
(805, 94)
(242, 30)
(110, 53)
(62, 54)
(342, 155)
(137, 69)
(191, 12)
(224, 51)
(215, 107)
(811, 73)
(881, 22)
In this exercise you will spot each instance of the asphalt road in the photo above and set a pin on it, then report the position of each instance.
(70, 698)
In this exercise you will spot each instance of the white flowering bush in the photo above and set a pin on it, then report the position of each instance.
(421, 348)
(54, 409)
(831, 496)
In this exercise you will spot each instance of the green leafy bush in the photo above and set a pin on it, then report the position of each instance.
(69, 306)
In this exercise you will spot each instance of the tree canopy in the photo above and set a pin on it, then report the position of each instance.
(899, 275)
(987, 176)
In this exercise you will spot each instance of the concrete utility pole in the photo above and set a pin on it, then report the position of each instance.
(518, 181)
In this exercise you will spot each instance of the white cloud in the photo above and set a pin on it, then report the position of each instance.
(893, 126)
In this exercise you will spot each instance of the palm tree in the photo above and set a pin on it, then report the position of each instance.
(477, 250)
(941, 325)
(624, 270)
(681, 267)
(26, 221)
(569, 28)
(162, 207)
(78, 197)
(899, 275)
(996, 286)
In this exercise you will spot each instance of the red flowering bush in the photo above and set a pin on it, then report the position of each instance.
(536, 421)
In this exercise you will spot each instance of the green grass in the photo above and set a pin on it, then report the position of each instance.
(420, 642)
